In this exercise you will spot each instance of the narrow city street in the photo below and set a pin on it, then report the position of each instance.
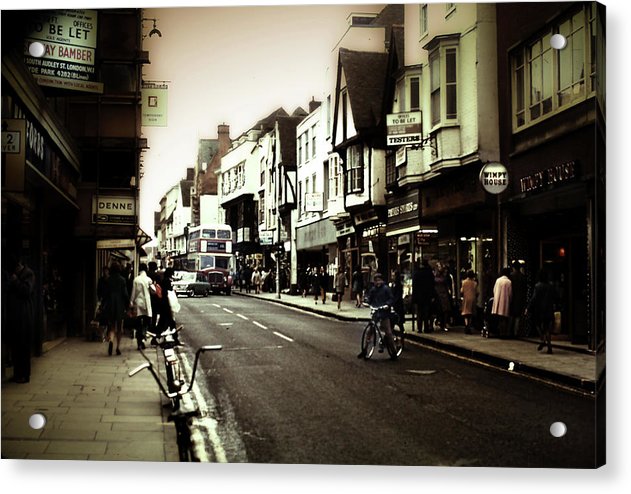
(288, 388)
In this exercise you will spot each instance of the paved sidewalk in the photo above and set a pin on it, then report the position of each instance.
(93, 410)
(570, 366)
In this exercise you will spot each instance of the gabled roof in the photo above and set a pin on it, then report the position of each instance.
(287, 135)
(365, 80)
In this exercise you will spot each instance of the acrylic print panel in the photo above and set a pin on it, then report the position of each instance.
(278, 171)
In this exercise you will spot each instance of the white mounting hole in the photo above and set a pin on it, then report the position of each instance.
(558, 41)
(36, 49)
(37, 421)
(558, 429)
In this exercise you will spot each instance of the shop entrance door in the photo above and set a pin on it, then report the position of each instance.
(351, 262)
(565, 261)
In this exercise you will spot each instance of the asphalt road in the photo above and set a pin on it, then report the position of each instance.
(288, 388)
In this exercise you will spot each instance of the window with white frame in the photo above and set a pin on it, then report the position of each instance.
(423, 19)
(299, 149)
(408, 93)
(313, 141)
(354, 169)
(443, 66)
(335, 176)
(546, 80)
(261, 207)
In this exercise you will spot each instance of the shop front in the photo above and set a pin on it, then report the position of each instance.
(402, 232)
(549, 226)
(459, 228)
(40, 176)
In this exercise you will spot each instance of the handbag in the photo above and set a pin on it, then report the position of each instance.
(173, 301)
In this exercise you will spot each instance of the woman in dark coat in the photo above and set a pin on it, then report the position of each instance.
(116, 302)
(166, 314)
(541, 307)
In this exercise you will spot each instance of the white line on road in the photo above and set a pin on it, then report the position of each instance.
(259, 325)
(225, 324)
(228, 311)
(242, 317)
(217, 305)
(283, 336)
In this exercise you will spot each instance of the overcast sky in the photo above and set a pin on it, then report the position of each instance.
(230, 65)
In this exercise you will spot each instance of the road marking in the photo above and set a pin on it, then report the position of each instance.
(228, 311)
(225, 324)
(422, 372)
(217, 305)
(242, 317)
(283, 336)
(259, 325)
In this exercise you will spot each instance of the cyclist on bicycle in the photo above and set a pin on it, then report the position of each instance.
(380, 295)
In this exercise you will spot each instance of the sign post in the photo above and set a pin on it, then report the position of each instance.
(494, 179)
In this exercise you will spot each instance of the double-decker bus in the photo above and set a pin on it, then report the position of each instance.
(210, 247)
(210, 251)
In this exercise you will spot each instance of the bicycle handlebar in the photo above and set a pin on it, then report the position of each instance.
(148, 365)
(383, 307)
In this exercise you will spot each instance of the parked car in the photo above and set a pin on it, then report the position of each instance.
(220, 280)
(191, 283)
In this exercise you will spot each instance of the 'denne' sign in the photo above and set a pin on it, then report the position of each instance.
(113, 210)
(494, 178)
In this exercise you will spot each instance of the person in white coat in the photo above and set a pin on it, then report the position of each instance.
(502, 299)
(140, 300)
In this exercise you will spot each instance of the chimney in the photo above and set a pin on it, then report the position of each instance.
(313, 104)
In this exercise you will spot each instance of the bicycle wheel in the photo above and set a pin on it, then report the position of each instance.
(173, 386)
(398, 344)
(369, 340)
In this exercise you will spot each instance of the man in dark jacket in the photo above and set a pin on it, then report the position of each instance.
(21, 318)
(423, 294)
(380, 295)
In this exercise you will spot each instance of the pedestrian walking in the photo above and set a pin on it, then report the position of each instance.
(165, 319)
(502, 297)
(116, 303)
(315, 284)
(357, 287)
(340, 286)
(256, 280)
(324, 283)
(423, 295)
(443, 297)
(397, 293)
(469, 292)
(519, 301)
(541, 309)
(140, 300)
(21, 318)
(155, 292)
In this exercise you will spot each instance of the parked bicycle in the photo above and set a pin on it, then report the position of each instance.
(373, 336)
(176, 385)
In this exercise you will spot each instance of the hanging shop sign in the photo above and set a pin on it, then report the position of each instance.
(14, 154)
(154, 104)
(314, 202)
(404, 128)
(494, 178)
(114, 210)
